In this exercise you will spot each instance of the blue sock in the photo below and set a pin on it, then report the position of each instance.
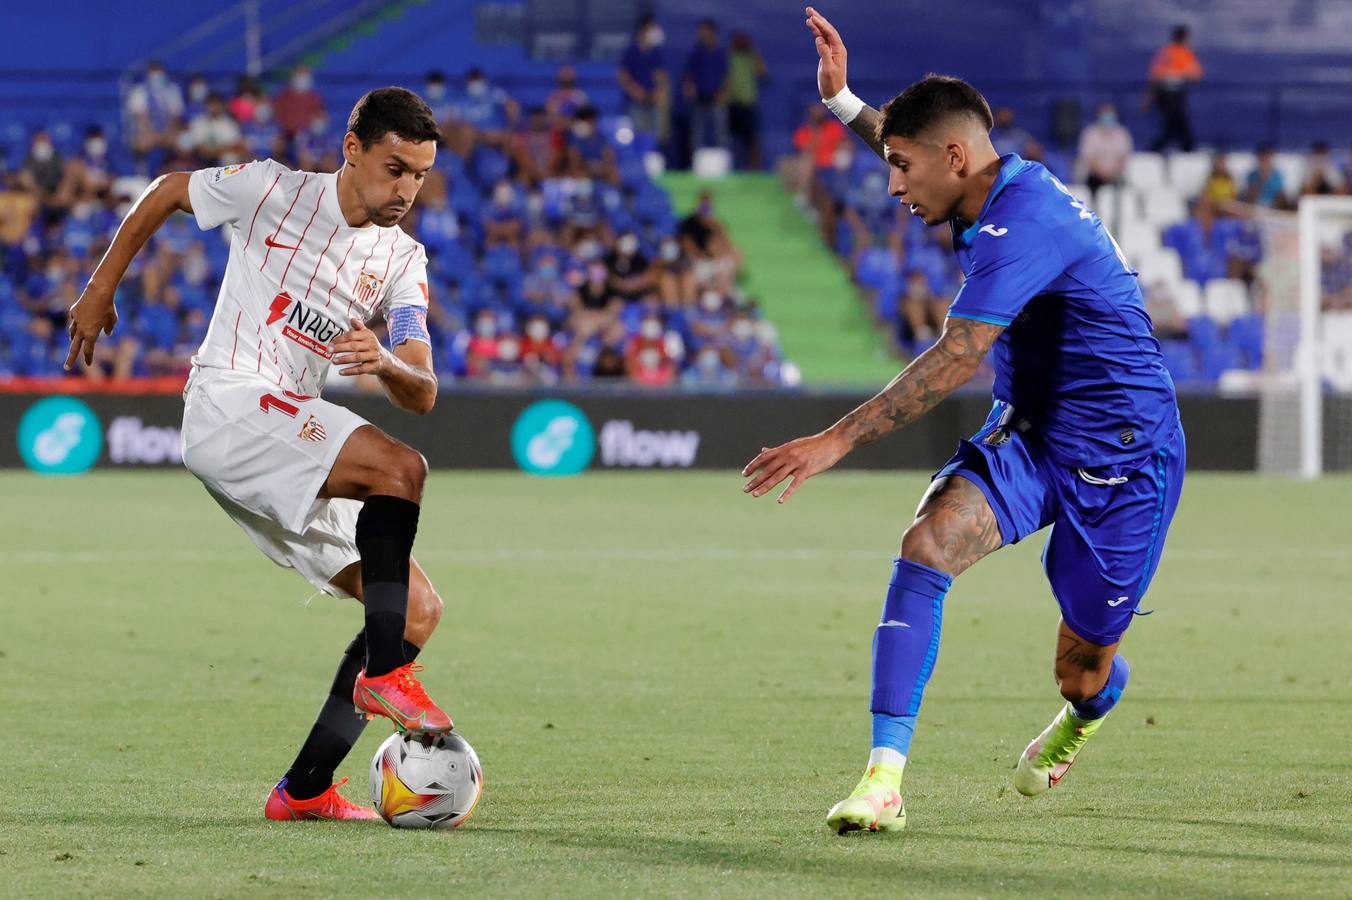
(905, 646)
(1098, 706)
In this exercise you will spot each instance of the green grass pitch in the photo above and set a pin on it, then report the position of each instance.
(667, 684)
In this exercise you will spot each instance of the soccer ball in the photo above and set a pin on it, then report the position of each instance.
(426, 781)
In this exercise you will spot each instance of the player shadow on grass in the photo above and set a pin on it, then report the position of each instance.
(1303, 834)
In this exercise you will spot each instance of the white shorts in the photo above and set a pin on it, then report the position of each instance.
(264, 455)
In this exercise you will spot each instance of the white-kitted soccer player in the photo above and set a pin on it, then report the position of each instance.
(313, 258)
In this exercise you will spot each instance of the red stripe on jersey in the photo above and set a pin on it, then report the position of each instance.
(276, 234)
(301, 242)
(236, 345)
(329, 298)
(394, 243)
(258, 207)
(311, 282)
(258, 366)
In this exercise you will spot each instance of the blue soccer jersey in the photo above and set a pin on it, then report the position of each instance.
(1077, 358)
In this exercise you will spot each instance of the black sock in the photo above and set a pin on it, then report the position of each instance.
(385, 529)
(335, 730)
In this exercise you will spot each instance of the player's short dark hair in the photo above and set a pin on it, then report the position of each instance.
(392, 110)
(928, 102)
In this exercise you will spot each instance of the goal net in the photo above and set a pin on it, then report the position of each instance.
(1303, 287)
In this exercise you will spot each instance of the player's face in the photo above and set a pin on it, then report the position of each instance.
(388, 174)
(922, 175)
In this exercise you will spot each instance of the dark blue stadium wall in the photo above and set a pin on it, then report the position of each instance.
(1276, 69)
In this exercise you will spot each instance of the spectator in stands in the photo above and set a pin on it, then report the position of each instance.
(486, 107)
(435, 93)
(261, 134)
(1322, 175)
(1174, 68)
(643, 77)
(536, 149)
(483, 346)
(645, 353)
(817, 140)
(540, 355)
(630, 275)
(1105, 147)
(1265, 185)
(596, 305)
(90, 172)
(705, 83)
(155, 109)
(746, 70)
(215, 135)
(710, 370)
(243, 103)
(588, 147)
(18, 207)
(1163, 308)
(1220, 184)
(198, 92)
(705, 241)
(609, 364)
(922, 311)
(1202, 241)
(1007, 136)
(43, 169)
(298, 105)
(566, 99)
(674, 273)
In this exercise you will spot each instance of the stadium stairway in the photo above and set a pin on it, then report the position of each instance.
(802, 288)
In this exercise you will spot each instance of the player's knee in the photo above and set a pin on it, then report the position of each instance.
(920, 544)
(424, 613)
(407, 474)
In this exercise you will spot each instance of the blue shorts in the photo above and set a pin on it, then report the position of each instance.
(1108, 522)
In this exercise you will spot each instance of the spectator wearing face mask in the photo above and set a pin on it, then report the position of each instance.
(507, 369)
(643, 78)
(540, 355)
(651, 334)
(502, 219)
(705, 83)
(1105, 148)
(595, 306)
(90, 172)
(484, 106)
(437, 95)
(298, 105)
(155, 108)
(703, 239)
(740, 342)
(630, 275)
(483, 345)
(214, 135)
(709, 372)
(586, 141)
(674, 273)
(922, 312)
(708, 320)
(43, 169)
(262, 135)
(198, 92)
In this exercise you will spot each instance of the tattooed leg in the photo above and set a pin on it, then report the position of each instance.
(1082, 667)
(954, 527)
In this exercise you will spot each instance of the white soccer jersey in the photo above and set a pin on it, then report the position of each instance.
(297, 272)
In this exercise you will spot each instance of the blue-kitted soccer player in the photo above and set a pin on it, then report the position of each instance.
(1084, 435)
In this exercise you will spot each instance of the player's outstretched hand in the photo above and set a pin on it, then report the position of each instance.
(830, 55)
(359, 350)
(799, 460)
(92, 313)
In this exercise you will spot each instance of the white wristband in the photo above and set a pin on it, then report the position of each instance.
(845, 105)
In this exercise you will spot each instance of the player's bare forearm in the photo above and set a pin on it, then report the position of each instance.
(166, 195)
(866, 126)
(408, 379)
(931, 377)
(94, 312)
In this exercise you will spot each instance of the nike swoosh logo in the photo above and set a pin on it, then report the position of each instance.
(276, 246)
(1118, 602)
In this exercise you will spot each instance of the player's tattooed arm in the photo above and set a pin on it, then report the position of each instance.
(934, 374)
(866, 126)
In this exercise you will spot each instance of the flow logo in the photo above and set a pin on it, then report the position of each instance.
(553, 437)
(60, 436)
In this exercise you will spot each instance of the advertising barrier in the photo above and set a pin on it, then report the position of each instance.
(564, 433)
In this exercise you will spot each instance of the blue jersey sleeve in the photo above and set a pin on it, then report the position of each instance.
(1010, 266)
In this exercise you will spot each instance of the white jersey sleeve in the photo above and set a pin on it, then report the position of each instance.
(406, 300)
(230, 193)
